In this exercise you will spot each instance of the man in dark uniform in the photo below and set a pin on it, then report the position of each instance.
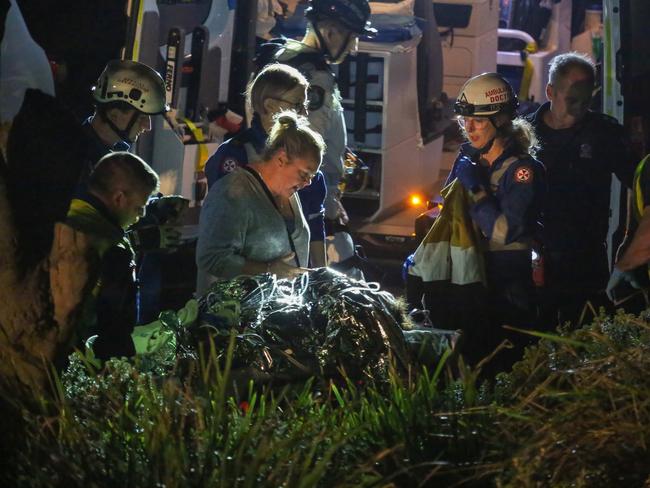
(114, 198)
(580, 150)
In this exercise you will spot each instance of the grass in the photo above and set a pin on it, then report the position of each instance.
(574, 412)
(577, 413)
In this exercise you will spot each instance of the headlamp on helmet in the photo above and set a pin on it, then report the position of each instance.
(484, 95)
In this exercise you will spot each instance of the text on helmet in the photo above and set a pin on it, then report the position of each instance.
(138, 84)
(497, 94)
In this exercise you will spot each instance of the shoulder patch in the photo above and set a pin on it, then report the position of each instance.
(524, 174)
(228, 165)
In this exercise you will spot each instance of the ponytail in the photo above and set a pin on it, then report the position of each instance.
(291, 132)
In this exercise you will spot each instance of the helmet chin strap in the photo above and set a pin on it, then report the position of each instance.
(325, 47)
(123, 134)
(486, 148)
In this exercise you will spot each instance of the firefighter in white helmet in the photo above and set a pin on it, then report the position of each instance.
(505, 183)
(126, 95)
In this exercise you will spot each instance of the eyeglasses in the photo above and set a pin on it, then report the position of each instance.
(306, 176)
(478, 122)
(298, 107)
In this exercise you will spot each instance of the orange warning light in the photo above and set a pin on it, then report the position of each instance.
(415, 200)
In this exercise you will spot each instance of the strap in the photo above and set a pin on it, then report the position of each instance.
(639, 204)
(513, 246)
(202, 153)
(495, 177)
(268, 193)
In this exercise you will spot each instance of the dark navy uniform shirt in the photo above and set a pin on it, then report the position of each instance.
(579, 164)
(641, 190)
(95, 147)
(516, 185)
(235, 152)
(508, 217)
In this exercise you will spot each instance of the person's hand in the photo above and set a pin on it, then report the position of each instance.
(469, 175)
(617, 278)
(285, 267)
(170, 237)
(168, 208)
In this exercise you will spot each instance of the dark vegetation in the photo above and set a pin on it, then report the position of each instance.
(574, 412)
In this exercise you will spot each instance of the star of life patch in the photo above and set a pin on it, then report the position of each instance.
(524, 175)
(229, 165)
(586, 151)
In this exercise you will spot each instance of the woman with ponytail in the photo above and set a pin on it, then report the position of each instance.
(252, 221)
(277, 87)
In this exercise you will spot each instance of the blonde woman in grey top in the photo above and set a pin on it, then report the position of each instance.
(251, 221)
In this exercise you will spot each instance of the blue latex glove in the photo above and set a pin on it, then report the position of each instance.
(469, 175)
(408, 264)
(617, 278)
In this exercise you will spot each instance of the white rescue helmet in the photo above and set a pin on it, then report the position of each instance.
(133, 83)
(484, 95)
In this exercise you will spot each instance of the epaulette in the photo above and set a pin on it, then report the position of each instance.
(608, 119)
(240, 138)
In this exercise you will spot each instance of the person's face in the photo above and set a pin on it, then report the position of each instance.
(479, 130)
(288, 7)
(122, 119)
(571, 98)
(130, 206)
(296, 173)
(340, 41)
(294, 99)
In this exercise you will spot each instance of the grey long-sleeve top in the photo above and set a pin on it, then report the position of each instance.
(238, 222)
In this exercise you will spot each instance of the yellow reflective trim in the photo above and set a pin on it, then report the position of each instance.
(202, 153)
(638, 194)
(135, 54)
(526, 79)
(500, 230)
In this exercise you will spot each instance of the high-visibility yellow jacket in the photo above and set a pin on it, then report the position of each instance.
(451, 250)
(109, 311)
(641, 200)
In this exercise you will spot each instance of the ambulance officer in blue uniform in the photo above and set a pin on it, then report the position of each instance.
(506, 185)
